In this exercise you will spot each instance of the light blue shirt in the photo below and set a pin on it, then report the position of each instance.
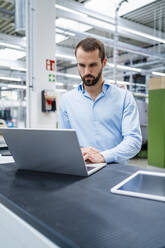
(110, 123)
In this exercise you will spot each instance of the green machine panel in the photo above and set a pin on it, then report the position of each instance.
(156, 128)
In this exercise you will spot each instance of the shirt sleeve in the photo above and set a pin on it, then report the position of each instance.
(63, 119)
(132, 138)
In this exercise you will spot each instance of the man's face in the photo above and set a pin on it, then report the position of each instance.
(89, 66)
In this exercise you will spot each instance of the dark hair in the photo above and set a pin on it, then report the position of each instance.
(92, 44)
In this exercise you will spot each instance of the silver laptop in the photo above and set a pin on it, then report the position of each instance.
(48, 150)
(2, 142)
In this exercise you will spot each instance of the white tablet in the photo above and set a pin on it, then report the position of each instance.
(144, 184)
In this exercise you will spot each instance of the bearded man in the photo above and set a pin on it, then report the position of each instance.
(104, 116)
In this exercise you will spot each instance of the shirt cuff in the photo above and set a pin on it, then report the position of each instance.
(108, 156)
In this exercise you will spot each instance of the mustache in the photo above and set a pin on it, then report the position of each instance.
(88, 75)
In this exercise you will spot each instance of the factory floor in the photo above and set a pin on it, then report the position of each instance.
(143, 163)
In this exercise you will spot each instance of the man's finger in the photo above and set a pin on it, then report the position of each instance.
(86, 156)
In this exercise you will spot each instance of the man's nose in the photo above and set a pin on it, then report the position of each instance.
(87, 70)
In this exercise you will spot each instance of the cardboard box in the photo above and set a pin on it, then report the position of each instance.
(157, 83)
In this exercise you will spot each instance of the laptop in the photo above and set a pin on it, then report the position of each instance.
(143, 184)
(48, 150)
(3, 144)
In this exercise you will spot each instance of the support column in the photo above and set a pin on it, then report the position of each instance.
(40, 32)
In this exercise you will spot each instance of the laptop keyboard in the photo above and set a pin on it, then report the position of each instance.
(90, 168)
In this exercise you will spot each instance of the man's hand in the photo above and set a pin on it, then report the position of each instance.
(92, 155)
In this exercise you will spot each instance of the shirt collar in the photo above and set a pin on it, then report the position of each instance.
(81, 88)
(105, 87)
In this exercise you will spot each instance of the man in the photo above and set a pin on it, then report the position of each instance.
(104, 116)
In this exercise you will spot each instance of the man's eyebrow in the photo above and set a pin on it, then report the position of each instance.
(93, 64)
(81, 64)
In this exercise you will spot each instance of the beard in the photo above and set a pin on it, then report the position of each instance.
(92, 81)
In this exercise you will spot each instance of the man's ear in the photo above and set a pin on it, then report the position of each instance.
(104, 62)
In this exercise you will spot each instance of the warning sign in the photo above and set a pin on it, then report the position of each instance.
(50, 65)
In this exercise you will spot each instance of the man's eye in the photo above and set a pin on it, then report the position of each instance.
(92, 65)
(81, 65)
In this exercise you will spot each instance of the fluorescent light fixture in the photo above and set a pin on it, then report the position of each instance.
(3, 64)
(67, 75)
(17, 86)
(149, 36)
(59, 84)
(10, 45)
(61, 90)
(18, 68)
(66, 24)
(158, 73)
(124, 67)
(69, 10)
(65, 56)
(11, 54)
(10, 79)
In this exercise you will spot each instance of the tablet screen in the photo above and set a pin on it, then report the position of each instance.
(148, 184)
(143, 184)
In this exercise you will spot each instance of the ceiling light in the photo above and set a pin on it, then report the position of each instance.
(124, 67)
(18, 68)
(132, 31)
(11, 54)
(76, 26)
(65, 56)
(60, 90)
(67, 75)
(17, 86)
(11, 79)
(158, 73)
(59, 84)
(10, 45)
(69, 10)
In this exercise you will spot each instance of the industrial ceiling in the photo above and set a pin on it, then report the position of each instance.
(141, 37)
